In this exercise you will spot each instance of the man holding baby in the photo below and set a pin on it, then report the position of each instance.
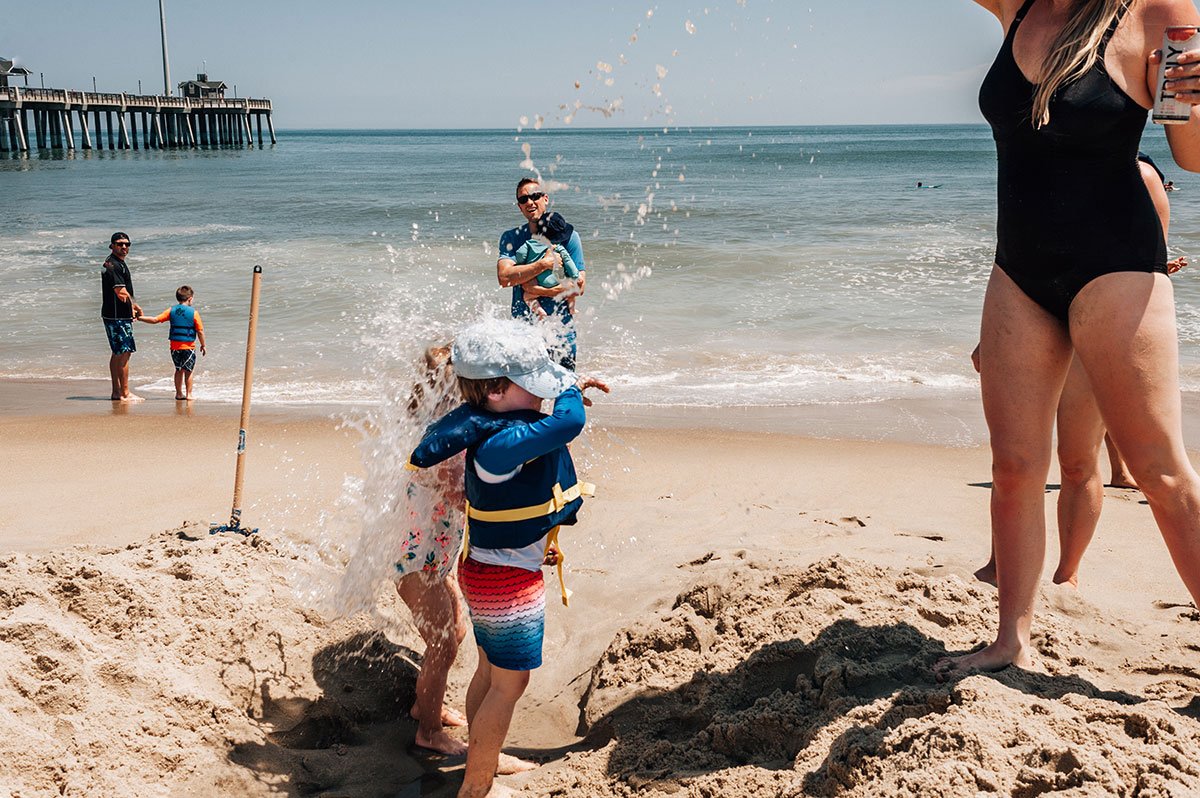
(557, 302)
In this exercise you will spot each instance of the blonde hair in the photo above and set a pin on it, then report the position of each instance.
(437, 387)
(1075, 49)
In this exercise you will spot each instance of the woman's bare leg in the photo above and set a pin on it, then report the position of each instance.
(1024, 355)
(1124, 328)
(435, 612)
(1080, 431)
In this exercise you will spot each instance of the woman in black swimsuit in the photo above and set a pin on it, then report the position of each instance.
(1080, 266)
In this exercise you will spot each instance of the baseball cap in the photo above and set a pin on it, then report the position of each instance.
(118, 237)
(513, 349)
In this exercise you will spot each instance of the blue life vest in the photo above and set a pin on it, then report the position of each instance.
(518, 512)
(183, 324)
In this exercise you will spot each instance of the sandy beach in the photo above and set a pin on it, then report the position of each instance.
(754, 614)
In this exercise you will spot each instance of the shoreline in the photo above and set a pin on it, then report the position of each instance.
(950, 421)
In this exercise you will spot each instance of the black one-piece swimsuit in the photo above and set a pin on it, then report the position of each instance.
(1071, 202)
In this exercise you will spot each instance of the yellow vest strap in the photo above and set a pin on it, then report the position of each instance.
(552, 540)
(560, 500)
(409, 466)
(466, 532)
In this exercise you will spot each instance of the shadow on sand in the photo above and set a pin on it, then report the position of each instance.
(355, 739)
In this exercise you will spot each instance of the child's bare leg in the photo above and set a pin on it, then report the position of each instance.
(988, 572)
(506, 764)
(490, 719)
(449, 715)
(1121, 478)
(188, 381)
(179, 394)
(434, 608)
(1080, 431)
(535, 306)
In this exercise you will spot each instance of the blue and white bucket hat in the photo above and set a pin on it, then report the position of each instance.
(513, 349)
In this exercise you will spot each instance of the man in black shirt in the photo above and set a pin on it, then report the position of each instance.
(118, 310)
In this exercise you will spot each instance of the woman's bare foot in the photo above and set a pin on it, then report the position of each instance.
(450, 716)
(442, 743)
(995, 657)
(509, 764)
(987, 574)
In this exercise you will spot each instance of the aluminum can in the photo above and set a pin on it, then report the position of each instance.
(1167, 110)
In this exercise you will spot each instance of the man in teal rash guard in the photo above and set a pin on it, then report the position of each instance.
(533, 201)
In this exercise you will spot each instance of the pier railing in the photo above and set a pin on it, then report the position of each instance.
(107, 100)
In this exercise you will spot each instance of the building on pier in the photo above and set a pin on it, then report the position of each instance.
(8, 68)
(202, 87)
(42, 118)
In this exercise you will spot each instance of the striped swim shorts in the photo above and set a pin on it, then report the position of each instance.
(508, 612)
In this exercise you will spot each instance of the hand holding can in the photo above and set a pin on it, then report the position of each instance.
(1168, 109)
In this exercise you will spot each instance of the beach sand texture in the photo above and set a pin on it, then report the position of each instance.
(753, 615)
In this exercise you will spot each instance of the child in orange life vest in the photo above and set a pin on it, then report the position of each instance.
(186, 330)
(520, 486)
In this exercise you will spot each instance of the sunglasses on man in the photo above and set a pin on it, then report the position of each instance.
(532, 196)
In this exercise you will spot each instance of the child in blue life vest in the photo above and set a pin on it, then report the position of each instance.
(186, 331)
(520, 487)
(553, 232)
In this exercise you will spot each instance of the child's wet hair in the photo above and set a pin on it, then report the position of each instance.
(475, 392)
(184, 293)
(436, 382)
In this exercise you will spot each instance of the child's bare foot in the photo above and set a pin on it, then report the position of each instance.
(987, 574)
(1123, 481)
(181, 399)
(497, 790)
(995, 657)
(1070, 580)
(450, 716)
(509, 764)
(129, 397)
(442, 743)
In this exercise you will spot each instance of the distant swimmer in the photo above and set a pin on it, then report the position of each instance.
(922, 185)
(1170, 185)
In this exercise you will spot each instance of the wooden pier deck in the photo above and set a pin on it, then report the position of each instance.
(165, 122)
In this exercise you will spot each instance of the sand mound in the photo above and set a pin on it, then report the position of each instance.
(189, 667)
(186, 666)
(762, 681)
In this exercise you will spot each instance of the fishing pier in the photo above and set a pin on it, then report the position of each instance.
(58, 119)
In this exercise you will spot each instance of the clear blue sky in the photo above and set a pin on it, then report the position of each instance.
(457, 64)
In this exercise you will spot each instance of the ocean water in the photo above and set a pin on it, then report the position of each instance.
(727, 267)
